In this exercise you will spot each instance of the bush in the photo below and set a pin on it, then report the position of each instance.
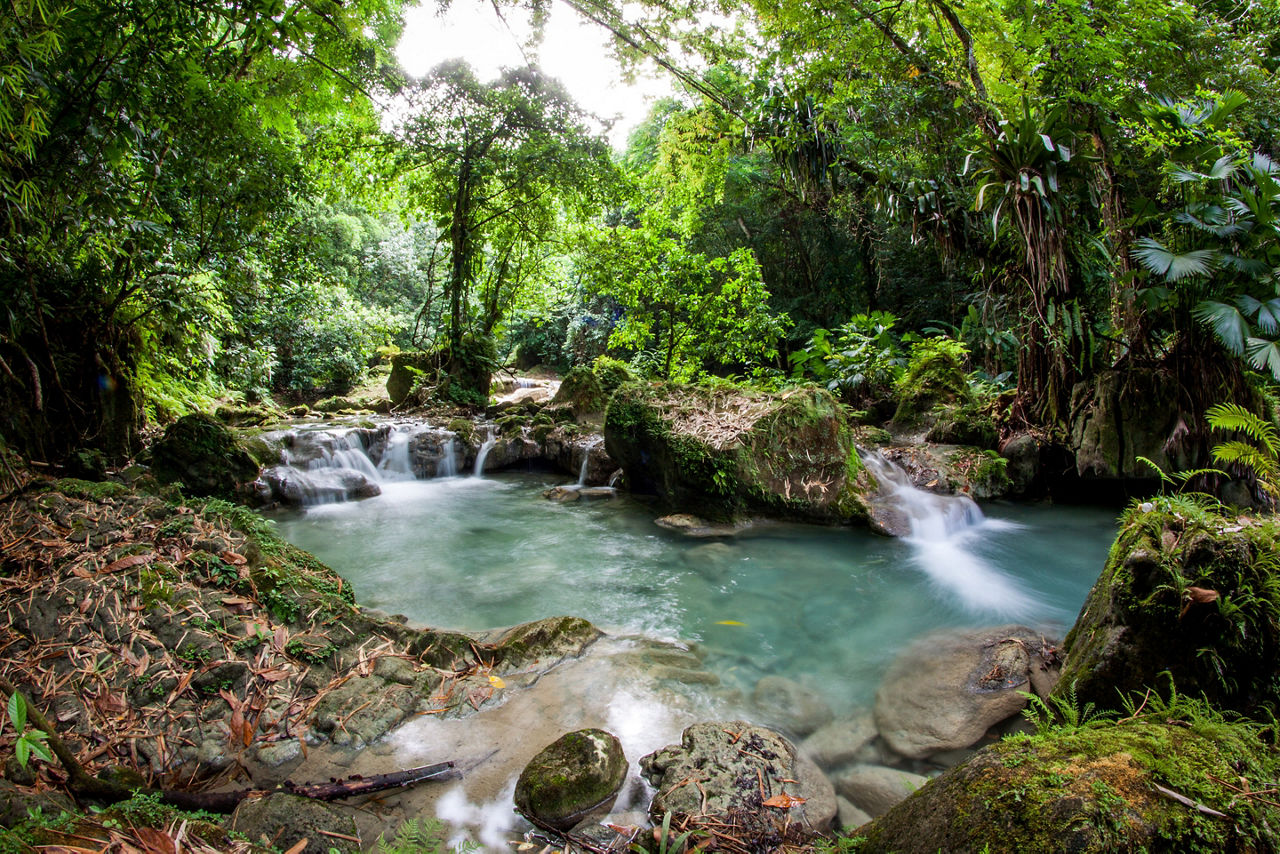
(611, 373)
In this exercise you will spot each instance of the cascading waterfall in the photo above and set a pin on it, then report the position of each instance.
(586, 460)
(448, 464)
(945, 531)
(490, 439)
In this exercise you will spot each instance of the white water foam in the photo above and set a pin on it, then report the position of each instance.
(945, 533)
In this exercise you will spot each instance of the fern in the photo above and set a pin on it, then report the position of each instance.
(1063, 714)
(1258, 455)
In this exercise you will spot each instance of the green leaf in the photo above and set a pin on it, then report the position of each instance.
(22, 749)
(1227, 323)
(1159, 259)
(1265, 355)
(17, 712)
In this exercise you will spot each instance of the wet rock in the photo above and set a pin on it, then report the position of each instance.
(279, 753)
(839, 742)
(581, 391)
(849, 816)
(1092, 790)
(543, 643)
(562, 494)
(578, 774)
(947, 689)
(876, 789)
(727, 455)
(1155, 612)
(730, 762)
(790, 706)
(281, 821)
(1122, 415)
(204, 456)
(696, 526)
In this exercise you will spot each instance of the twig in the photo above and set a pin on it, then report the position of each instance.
(1185, 801)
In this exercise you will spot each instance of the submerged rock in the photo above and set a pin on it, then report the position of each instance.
(284, 820)
(742, 776)
(1186, 592)
(946, 690)
(876, 789)
(790, 706)
(723, 454)
(578, 774)
(1154, 784)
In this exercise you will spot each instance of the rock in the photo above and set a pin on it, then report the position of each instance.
(578, 774)
(1093, 790)
(543, 643)
(947, 689)
(17, 802)
(790, 706)
(1155, 608)
(724, 455)
(406, 369)
(730, 762)
(279, 753)
(204, 456)
(952, 469)
(284, 820)
(876, 789)
(1023, 452)
(696, 526)
(849, 816)
(521, 398)
(581, 391)
(839, 742)
(565, 494)
(1123, 414)
(597, 493)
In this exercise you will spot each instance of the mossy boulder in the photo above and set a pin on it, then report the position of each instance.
(406, 369)
(1188, 591)
(579, 773)
(723, 454)
(611, 373)
(580, 390)
(1168, 782)
(1121, 416)
(935, 379)
(204, 456)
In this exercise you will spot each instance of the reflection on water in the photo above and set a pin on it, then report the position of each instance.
(828, 607)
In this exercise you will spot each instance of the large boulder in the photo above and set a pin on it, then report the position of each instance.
(1169, 782)
(733, 774)
(199, 452)
(1121, 415)
(582, 393)
(946, 690)
(1186, 592)
(574, 776)
(406, 369)
(723, 454)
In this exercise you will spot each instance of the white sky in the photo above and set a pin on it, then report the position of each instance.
(572, 50)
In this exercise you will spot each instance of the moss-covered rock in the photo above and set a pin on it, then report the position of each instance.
(1170, 782)
(611, 373)
(573, 776)
(1121, 416)
(406, 369)
(284, 820)
(204, 456)
(580, 390)
(1188, 591)
(935, 378)
(726, 453)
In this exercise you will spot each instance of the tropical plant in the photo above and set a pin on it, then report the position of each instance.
(1257, 453)
(28, 742)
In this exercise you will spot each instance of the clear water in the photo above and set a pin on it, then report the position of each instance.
(826, 606)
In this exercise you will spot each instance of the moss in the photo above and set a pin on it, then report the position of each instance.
(407, 369)
(1189, 591)
(581, 390)
(935, 375)
(542, 431)
(463, 428)
(204, 456)
(983, 471)
(1093, 788)
(512, 425)
(611, 373)
(90, 490)
(574, 774)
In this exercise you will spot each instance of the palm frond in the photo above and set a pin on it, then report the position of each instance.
(1227, 322)
(1174, 266)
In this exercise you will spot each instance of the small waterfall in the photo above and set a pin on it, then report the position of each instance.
(490, 439)
(586, 459)
(397, 461)
(943, 533)
(448, 465)
(324, 466)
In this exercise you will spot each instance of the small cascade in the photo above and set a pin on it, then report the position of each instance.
(397, 459)
(944, 532)
(448, 464)
(490, 439)
(586, 460)
(324, 466)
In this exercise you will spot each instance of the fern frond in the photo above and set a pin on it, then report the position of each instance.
(1233, 416)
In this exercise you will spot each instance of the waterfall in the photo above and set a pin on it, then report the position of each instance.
(397, 462)
(586, 459)
(490, 439)
(945, 532)
(324, 466)
(448, 464)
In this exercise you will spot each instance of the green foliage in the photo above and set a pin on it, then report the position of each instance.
(28, 742)
(1259, 456)
(935, 374)
(862, 360)
(611, 373)
(1063, 713)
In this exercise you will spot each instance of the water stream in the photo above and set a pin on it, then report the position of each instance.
(826, 606)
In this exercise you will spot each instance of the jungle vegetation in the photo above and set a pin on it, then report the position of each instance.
(203, 199)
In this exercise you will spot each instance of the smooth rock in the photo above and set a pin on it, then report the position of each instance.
(839, 742)
(946, 690)
(578, 774)
(790, 706)
(848, 815)
(876, 789)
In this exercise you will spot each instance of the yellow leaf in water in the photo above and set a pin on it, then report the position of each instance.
(496, 681)
(729, 623)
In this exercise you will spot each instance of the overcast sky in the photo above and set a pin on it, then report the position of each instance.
(571, 50)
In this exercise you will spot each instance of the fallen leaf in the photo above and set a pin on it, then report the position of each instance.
(236, 600)
(275, 674)
(1201, 595)
(729, 623)
(126, 562)
(299, 846)
(496, 681)
(783, 801)
(155, 841)
(234, 559)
